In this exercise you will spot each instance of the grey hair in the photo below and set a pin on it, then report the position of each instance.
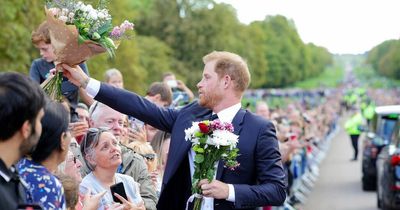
(95, 110)
(90, 155)
(111, 72)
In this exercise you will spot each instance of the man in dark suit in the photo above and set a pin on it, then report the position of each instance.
(258, 181)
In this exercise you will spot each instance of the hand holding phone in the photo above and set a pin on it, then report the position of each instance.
(120, 190)
(29, 207)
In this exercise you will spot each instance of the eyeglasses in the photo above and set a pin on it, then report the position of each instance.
(93, 108)
(74, 160)
(149, 157)
(92, 137)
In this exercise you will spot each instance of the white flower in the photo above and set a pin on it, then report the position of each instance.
(63, 18)
(189, 132)
(223, 138)
(93, 15)
(64, 12)
(54, 11)
(89, 8)
(101, 15)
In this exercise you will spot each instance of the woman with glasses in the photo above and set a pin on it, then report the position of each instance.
(71, 167)
(102, 154)
(146, 151)
(38, 171)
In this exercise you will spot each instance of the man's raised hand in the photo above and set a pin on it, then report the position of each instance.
(75, 75)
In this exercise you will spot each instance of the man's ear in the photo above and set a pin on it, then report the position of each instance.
(157, 97)
(227, 81)
(91, 123)
(26, 129)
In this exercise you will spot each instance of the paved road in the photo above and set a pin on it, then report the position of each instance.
(339, 184)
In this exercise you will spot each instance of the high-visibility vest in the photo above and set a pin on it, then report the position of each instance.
(352, 124)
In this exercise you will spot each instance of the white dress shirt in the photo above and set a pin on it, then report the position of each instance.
(225, 115)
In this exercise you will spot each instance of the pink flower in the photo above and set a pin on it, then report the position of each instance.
(54, 11)
(116, 32)
(229, 127)
(126, 25)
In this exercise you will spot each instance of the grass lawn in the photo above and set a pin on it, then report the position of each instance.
(329, 78)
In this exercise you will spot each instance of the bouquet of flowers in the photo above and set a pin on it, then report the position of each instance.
(78, 32)
(211, 141)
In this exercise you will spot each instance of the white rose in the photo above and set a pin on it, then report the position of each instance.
(63, 18)
(89, 7)
(101, 15)
(224, 138)
(93, 15)
(64, 12)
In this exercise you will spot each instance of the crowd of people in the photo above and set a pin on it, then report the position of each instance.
(73, 154)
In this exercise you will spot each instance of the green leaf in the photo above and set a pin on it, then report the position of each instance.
(198, 134)
(81, 40)
(210, 174)
(105, 28)
(200, 150)
(199, 158)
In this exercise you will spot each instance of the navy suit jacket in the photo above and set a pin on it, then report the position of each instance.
(258, 181)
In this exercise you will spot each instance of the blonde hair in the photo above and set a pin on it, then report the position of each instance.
(231, 64)
(158, 143)
(144, 148)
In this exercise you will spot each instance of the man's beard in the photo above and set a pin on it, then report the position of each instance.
(210, 100)
(29, 144)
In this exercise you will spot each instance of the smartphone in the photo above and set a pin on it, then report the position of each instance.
(118, 188)
(136, 125)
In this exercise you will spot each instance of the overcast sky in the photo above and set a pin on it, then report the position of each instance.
(342, 26)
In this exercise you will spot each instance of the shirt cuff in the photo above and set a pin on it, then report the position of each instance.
(93, 87)
(231, 196)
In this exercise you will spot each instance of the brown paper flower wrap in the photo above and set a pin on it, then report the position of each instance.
(68, 50)
(77, 32)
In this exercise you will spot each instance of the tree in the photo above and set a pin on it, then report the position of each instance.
(18, 19)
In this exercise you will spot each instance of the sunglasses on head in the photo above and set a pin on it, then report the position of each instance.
(92, 137)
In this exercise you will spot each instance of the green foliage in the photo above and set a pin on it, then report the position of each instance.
(369, 77)
(385, 59)
(174, 36)
(331, 77)
(18, 18)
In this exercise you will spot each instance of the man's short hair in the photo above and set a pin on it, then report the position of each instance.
(41, 34)
(227, 63)
(111, 72)
(82, 106)
(21, 99)
(96, 109)
(160, 88)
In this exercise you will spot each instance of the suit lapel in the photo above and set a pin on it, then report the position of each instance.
(181, 148)
(237, 123)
